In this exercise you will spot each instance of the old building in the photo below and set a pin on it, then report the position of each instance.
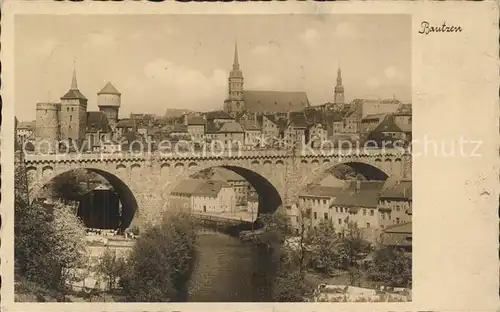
(318, 199)
(398, 236)
(204, 196)
(109, 101)
(395, 202)
(239, 184)
(240, 100)
(195, 128)
(253, 133)
(98, 130)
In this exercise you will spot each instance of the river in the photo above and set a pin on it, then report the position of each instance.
(230, 270)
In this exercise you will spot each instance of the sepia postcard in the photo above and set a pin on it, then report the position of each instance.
(246, 156)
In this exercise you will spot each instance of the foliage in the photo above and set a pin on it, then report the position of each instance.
(49, 243)
(391, 267)
(325, 242)
(111, 267)
(344, 172)
(278, 221)
(289, 284)
(72, 184)
(161, 261)
(353, 247)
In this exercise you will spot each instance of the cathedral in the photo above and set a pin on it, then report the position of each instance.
(240, 100)
(68, 124)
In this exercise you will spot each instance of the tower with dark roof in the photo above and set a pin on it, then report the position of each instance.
(234, 102)
(73, 115)
(109, 101)
(339, 90)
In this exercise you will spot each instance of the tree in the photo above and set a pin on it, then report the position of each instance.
(161, 261)
(345, 172)
(352, 248)
(392, 267)
(49, 244)
(110, 267)
(325, 250)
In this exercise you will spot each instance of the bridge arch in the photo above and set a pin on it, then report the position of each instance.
(270, 198)
(367, 170)
(130, 211)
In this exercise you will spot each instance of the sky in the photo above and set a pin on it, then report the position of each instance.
(183, 61)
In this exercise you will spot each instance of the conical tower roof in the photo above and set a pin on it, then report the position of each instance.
(109, 89)
(73, 92)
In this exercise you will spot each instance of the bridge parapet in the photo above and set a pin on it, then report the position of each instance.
(236, 154)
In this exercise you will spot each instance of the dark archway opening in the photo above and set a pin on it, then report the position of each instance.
(358, 171)
(110, 206)
(251, 194)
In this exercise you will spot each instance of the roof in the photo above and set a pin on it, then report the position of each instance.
(179, 128)
(198, 187)
(404, 109)
(188, 186)
(217, 115)
(250, 125)
(109, 89)
(212, 127)
(274, 101)
(297, 120)
(367, 196)
(231, 127)
(321, 191)
(221, 174)
(376, 117)
(73, 95)
(126, 123)
(25, 125)
(388, 125)
(195, 121)
(405, 228)
(97, 122)
(396, 189)
(404, 127)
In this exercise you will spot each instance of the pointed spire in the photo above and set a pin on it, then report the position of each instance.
(236, 64)
(339, 77)
(74, 84)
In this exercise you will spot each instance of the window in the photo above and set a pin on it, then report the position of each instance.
(397, 220)
(315, 215)
(67, 109)
(367, 225)
(340, 221)
(364, 211)
(70, 118)
(324, 201)
(325, 215)
(372, 212)
(383, 216)
(336, 209)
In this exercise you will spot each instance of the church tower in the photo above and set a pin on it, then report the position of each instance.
(73, 115)
(234, 102)
(339, 90)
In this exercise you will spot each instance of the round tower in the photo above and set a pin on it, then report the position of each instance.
(47, 127)
(109, 101)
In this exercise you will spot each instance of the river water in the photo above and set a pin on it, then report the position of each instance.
(230, 270)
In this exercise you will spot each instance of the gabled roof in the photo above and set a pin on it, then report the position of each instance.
(188, 186)
(374, 117)
(195, 121)
(367, 196)
(126, 123)
(231, 127)
(179, 128)
(199, 187)
(217, 115)
(73, 95)
(109, 89)
(297, 120)
(388, 125)
(274, 101)
(97, 122)
(404, 109)
(396, 189)
(321, 191)
(405, 228)
(250, 125)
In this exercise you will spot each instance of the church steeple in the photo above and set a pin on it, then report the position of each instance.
(236, 64)
(339, 89)
(74, 84)
(234, 102)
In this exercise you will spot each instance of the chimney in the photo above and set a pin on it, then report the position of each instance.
(186, 119)
(358, 186)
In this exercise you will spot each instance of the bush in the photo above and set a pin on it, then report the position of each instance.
(161, 261)
(49, 244)
(110, 267)
(391, 267)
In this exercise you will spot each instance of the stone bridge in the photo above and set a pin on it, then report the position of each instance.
(144, 181)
